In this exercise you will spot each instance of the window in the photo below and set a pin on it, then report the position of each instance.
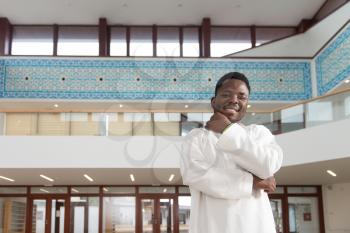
(190, 44)
(12, 214)
(168, 43)
(32, 40)
(225, 41)
(78, 41)
(303, 214)
(84, 214)
(141, 43)
(119, 214)
(118, 41)
(184, 213)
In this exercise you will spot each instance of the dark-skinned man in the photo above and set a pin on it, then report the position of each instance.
(229, 167)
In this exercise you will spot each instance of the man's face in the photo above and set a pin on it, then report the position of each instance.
(231, 100)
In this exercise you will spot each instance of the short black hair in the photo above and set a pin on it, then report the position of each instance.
(232, 75)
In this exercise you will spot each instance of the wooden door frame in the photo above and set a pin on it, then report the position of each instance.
(284, 203)
(48, 198)
(156, 197)
(86, 215)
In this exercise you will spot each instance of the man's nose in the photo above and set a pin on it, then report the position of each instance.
(234, 99)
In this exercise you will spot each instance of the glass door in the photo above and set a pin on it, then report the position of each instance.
(157, 215)
(48, 215)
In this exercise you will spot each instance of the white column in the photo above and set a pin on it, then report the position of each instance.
(313, 78)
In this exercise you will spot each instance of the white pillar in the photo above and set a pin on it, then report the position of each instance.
(314, 89)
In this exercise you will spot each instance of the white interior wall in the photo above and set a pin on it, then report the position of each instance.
(336, 204)
(305, 44)
(89, 152)
(318, 143)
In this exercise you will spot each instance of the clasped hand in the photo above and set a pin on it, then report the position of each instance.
(217, 123)
(268, 184)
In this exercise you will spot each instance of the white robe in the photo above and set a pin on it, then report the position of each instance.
(218, 169)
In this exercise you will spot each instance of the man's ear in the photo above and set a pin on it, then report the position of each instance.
(212, 103)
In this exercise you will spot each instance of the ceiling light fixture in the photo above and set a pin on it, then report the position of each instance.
(105, 189)
(331, 173)
(186, 106)
(55, 105)
(44, 190)
(164, 190)
(47, 178)
(74, 190)
(132, 178)
(249, 106)
(171, 177)
(120, 105)
(6, 178)
(88, 177)
(253, 113)
(347, 81)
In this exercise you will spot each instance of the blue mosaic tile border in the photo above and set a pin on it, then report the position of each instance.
(333, 63)
(2, 78)
(160, 79)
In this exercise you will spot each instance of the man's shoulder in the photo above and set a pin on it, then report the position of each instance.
(197, 132)
(256, 127)
(258, 130)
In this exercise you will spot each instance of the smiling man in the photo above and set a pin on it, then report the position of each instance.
(229, 167)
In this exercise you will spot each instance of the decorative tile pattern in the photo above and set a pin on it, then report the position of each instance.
(333, 63)
(2, 77)
(161, 79)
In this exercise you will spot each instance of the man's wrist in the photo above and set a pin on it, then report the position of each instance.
(227, 126)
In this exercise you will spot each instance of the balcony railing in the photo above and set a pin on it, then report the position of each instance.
(306, 114)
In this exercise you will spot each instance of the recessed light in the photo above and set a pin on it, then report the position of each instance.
(120, 105)
(44, 190)
(88, 177)
(105, 189)
(164, 190)
(6, 178)
(132, 178)
(249, 106)
(55, 105)
(74, 190)
(331, 173)
(347, 81)
(186, 106)
(171, 177)
(47, 178)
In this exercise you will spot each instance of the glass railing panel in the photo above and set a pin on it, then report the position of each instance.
(327, 109)
(265, 119)
(292, 118)
(304, 115)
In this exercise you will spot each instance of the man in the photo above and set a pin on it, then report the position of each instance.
(229, 167)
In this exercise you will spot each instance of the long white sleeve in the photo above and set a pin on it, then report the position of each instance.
(200, 172)
(257, 152)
